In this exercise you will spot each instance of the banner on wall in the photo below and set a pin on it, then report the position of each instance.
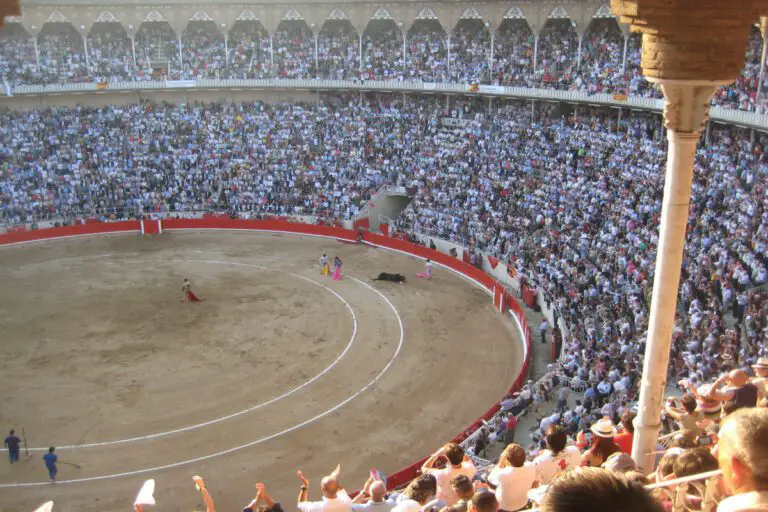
(493, 261)
(101, 86)
(494, 89)
(180, 83)
(511, 271)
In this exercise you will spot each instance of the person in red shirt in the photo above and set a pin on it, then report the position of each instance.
(509, 433)
(624, 439)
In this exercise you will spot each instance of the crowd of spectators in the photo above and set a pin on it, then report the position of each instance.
(568, 199)
(427, 52)
(557, 54)
(599, 64)
(383, 51)
(338, 51)
(470, 53)
(249, 54)
(560, 478)
(513, 53)
(203, 51)
(294, 50)
(109, 51)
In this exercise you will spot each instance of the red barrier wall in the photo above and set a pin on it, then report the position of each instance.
(398, 478)
(67, 231)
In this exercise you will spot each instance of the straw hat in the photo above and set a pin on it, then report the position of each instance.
(762, 364)
(604, 428)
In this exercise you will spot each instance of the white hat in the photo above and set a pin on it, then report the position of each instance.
(604, 428)
(146, 494)
(45, 507)
(761, 363)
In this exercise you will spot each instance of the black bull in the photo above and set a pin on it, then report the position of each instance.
(393, 278)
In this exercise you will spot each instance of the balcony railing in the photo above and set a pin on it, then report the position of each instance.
(748, 119)
(695, 493)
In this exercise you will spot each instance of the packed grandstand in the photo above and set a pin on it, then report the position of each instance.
(569, 198)
(603, 60)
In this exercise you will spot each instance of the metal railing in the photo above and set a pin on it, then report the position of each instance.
(749, 119)
(695, 493)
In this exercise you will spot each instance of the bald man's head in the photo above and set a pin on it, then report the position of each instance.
(378, 491)
(330, 486)
(738, 377)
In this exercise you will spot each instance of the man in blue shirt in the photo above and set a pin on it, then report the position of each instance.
(13, 443)
(50, 459)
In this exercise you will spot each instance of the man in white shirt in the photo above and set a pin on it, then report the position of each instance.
(458, 464)
(335, 498)
(376, 493)
(512, 478)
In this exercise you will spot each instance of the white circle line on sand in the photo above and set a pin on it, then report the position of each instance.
(238, 413)
(257, 441)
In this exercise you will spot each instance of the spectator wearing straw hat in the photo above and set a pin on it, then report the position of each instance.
(603, 445)
(760, 380)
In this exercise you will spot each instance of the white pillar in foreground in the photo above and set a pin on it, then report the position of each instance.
(686, 108)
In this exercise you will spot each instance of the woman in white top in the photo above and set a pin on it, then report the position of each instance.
(557, 458)
(512, 478)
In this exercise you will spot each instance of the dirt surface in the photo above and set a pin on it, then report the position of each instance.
(279, 369)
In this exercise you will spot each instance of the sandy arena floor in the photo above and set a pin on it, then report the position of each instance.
(279, 369)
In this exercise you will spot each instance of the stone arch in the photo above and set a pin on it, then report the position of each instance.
(294, 46)
(470, 48)
(339, 47)
(109, 46)
(156, 44)
(427, 47)
(513, 51)
(61, 48)
(558, 12)
(107, 17)
(608, 54)
(248, 41)
(382, 39)
(23, 60)
(603, 11)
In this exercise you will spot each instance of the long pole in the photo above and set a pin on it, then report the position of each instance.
(691, 105)
(763, 59)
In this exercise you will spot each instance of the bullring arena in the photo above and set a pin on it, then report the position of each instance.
(278, 367)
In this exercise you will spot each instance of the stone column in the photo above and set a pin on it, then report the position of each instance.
(84, 35)
(37, 53)
(685, 53)
(226, 44)
(624, 58)
(686, 106)
(763, 59)
(181, 57)
(131, 36)
(360, 49)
